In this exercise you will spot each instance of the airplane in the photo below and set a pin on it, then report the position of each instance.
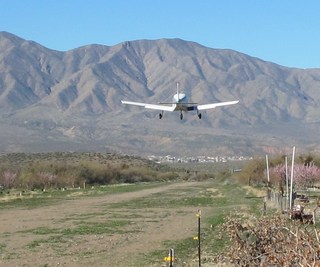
(180, 103)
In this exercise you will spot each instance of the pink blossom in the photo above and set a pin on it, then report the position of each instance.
(303, 175)
(8, 178)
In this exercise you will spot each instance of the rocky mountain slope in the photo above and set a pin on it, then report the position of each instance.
(53, 100)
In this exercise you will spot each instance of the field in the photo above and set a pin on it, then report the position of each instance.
(119, 225)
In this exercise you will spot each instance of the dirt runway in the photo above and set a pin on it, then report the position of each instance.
(143, 231)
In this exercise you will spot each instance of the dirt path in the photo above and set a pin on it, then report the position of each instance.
(145, 231)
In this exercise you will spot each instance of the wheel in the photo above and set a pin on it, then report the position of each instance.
(181, 116)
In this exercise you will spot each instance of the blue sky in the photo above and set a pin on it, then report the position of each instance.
(286, 32)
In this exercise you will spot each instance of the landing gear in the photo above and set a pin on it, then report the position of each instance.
(181, 116)
(160, 115)
(199, 115)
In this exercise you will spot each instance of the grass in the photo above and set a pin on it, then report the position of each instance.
(43, 231)
(35, 199)
(183, 249)
(186, 249)
(58, 236)
(82, 228)
(51, 240)
(2, 247)
(94, 228)
(196, 197)
(219, 196)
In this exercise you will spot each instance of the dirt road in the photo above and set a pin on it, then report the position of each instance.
(69, 233)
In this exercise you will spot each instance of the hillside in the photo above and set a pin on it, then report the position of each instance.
(70, 101)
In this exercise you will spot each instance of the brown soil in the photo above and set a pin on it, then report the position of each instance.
(147, 230)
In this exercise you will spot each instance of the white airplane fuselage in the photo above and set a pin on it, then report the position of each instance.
(180, 100)
(180, 103)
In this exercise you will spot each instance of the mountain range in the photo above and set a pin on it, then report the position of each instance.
(71, 100)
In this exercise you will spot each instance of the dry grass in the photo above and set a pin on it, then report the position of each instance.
(255, 191)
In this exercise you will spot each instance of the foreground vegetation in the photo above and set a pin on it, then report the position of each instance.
(71, 170)
(306, 171)
(270, 241)
(67, 235)
(214, 193)
(234, 229)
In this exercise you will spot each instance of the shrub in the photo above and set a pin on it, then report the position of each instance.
(253, 172)
(270, 241)
(55, 170)
(8, 178)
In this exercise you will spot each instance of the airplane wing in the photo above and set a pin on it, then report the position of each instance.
(209, 106)
(150, 106)
(133, 103)
(161, 107)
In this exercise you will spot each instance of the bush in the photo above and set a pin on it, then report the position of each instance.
(253, 172)
(56, 170)
(270, 241)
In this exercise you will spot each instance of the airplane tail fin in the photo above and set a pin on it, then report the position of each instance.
(177, 100)
(177, 88)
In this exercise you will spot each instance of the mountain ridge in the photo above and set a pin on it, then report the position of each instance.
(71, 99)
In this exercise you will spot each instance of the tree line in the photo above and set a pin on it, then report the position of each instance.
(60, 174)
(306, 171)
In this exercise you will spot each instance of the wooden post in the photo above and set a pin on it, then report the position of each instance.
(287, 182)
(268, 176)
(171, 256)
(199, 236)
(291, 180)
(265, 206)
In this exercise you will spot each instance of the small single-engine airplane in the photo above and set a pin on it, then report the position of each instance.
(179, 103)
